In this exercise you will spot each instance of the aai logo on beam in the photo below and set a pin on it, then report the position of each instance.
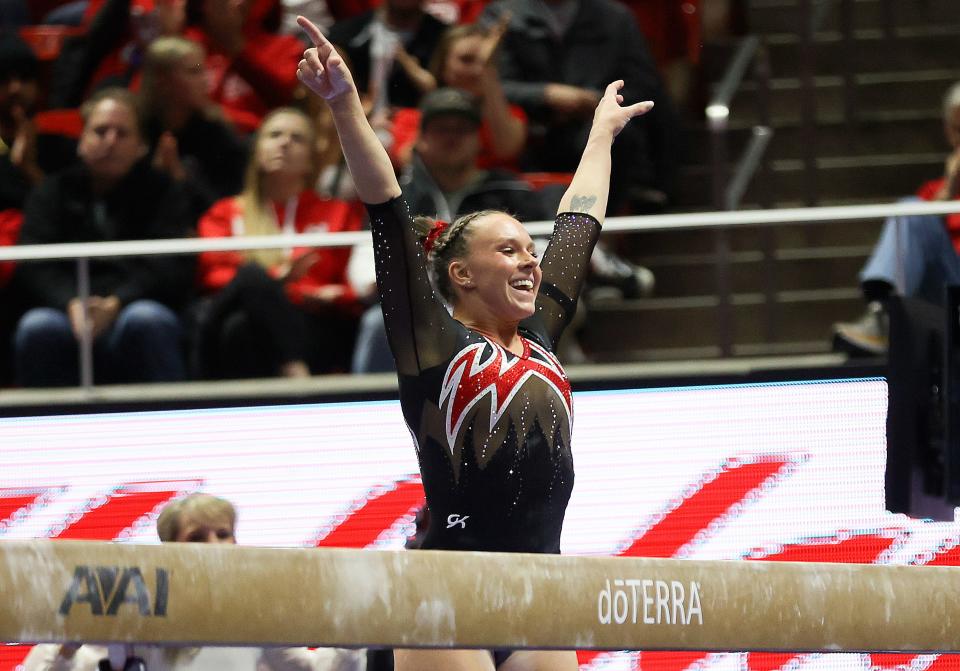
(106, 588)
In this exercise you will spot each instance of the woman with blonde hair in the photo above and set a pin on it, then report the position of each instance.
(485, 399)
(273, 311)
(188, 136)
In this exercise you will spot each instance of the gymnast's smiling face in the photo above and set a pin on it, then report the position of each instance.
(204, 529)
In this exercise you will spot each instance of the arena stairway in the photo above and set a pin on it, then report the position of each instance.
(895, 143)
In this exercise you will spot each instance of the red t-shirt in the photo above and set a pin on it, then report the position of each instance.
(406, 126)
(952, 221)
(263, 76)
(313, 214)
(10, 222)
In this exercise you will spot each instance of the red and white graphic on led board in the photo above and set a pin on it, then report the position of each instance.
(790, 472)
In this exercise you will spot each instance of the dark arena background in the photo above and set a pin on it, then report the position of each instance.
(718, 414)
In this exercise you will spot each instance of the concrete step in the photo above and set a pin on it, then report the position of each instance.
(684, 275)
(648, 246)
(919, 132)
(664, 328)
(902, 93)
(687, 356)
(774, 16)
(881, 178)
(910, 49)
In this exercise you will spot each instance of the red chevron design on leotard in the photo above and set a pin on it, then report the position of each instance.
(468, 379)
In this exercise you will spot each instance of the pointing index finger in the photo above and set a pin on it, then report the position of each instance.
(312, 31)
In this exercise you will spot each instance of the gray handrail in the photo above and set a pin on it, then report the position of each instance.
(747, 166)
(718, 111)
(727, 194)
(656, 222)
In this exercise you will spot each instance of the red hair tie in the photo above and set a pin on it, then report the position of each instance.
(439, 226)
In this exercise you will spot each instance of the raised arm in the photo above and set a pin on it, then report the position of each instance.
(591, 183)
(323, 71)
(580, 214)
(418, 326)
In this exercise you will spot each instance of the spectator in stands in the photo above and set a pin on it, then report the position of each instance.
(388, 49)
(111, 194)
(111, 50)
(445, 181)
(19, 168)
(286, 312)
(555, 61)
(249, 70)
(923, 248)
(464, 60)
(188, 136)
(198, 518)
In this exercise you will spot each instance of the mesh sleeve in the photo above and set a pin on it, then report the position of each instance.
(565, 265)
(420, 330)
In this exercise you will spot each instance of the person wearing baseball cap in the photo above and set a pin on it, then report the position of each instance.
(444, 178)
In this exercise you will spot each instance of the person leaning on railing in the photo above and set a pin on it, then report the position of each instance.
(112, 193)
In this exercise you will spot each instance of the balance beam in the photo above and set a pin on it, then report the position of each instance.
(183, 593)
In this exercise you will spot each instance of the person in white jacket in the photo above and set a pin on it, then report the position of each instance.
(198, 518)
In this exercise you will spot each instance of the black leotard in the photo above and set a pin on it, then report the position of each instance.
(492, 429)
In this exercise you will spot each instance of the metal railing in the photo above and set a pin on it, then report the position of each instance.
(728, 191)
(82, 253)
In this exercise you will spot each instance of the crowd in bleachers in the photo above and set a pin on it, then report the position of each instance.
(145, 119)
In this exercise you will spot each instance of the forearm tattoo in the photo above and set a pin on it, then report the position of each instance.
(582, 203)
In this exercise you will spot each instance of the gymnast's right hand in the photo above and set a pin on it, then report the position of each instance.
(322, 70)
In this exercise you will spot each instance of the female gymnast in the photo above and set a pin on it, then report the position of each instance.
(485, 399)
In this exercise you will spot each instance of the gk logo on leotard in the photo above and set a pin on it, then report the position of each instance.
(468, 379)
(454, 520)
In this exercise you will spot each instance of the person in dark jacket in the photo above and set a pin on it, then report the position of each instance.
(188, 135)
(389, 49)
(25, 155)
(111, 194)
(445, 180)
(555, 60)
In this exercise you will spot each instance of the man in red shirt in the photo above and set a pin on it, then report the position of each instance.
(915, 255)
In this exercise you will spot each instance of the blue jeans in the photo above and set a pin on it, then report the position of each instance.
(926, 253)
(142, 345)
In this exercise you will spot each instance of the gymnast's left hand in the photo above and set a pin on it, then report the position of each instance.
(612, 115)
(322, 70)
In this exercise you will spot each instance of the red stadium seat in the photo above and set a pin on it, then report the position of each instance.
(538, 180)
(46, 41)
(65, 122)
(10, 222)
